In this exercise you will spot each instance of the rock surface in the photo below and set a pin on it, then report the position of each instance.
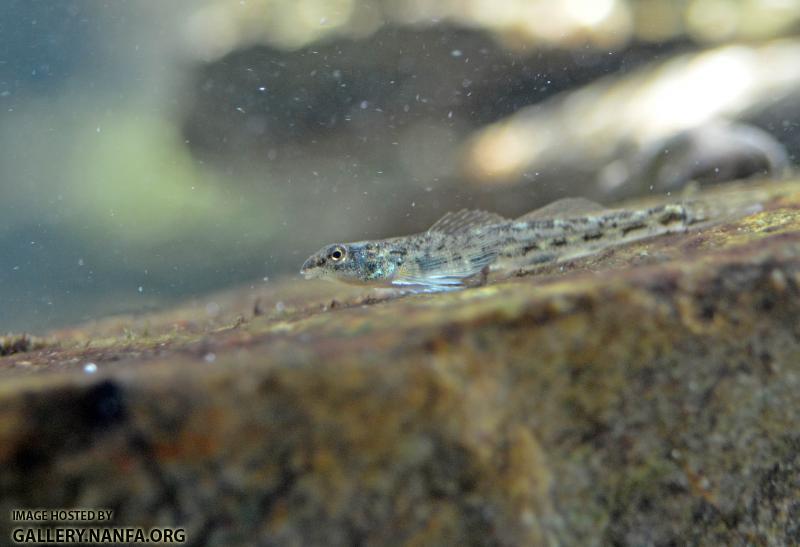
(649, 395)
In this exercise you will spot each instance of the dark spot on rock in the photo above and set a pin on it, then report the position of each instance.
(707, 312)
(645, 504)
(29, 457)
(766, 304)
(103, 406)
(447, 472)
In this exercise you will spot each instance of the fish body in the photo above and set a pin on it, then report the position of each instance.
(430, 261)
(464, 246)
(532, 239)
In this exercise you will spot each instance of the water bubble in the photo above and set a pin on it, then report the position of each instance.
(456, 53)
(210, 357)
(90, 368)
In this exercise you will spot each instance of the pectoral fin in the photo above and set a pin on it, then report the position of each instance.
(430, 283)
(445, 274)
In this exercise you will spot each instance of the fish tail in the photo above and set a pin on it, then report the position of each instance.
(704, 211)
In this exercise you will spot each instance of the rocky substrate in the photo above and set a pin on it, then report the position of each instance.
(649, 395)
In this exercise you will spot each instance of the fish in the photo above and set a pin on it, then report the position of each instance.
(461, 248)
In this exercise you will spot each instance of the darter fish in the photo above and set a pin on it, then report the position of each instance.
(462, 247)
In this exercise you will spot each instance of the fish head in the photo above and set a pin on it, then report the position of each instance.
(359, 263)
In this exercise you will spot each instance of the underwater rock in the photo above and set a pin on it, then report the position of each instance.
(721, 105)
(709, 154)
(646, 395)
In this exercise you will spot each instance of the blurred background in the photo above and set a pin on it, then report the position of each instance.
(151, 151)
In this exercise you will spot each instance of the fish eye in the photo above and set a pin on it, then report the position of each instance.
(337, 253)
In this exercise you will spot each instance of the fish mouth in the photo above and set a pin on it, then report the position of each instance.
(308, 270)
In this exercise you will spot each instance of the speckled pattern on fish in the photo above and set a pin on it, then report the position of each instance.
(462, 247)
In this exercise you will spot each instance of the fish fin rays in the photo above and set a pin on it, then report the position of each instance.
(464, 221)
(564, 208)
(440, 283)
(429, 283)
(445, 277)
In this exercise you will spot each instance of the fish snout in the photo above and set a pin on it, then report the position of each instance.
(309, 269)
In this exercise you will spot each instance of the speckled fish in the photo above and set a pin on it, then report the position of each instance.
(462, 247)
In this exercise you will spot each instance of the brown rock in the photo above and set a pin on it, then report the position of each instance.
(646, 396)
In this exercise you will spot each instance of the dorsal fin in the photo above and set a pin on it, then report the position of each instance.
(564, 208)
(465, 220)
